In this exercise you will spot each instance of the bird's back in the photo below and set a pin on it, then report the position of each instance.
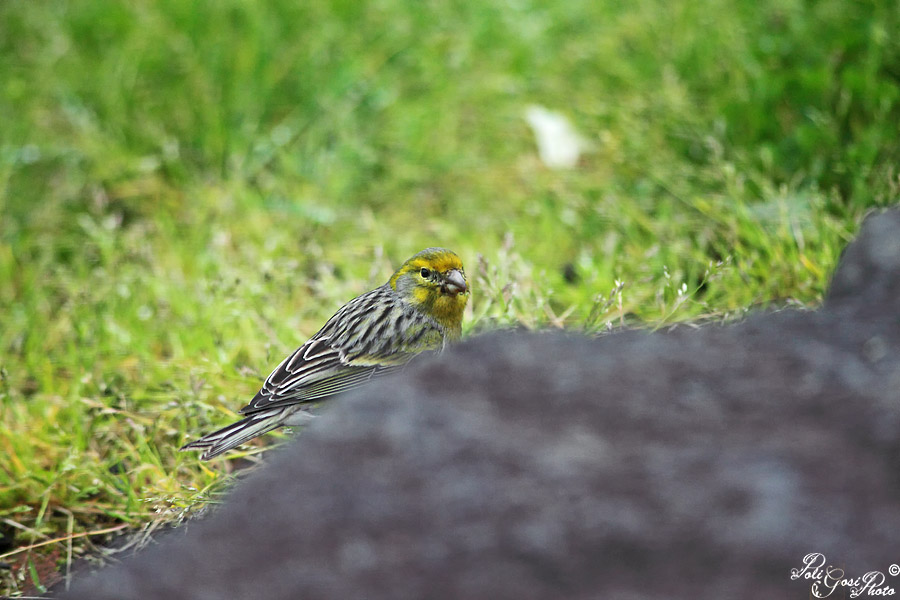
(372, 335)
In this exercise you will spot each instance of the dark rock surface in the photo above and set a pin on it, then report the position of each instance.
(691, 464)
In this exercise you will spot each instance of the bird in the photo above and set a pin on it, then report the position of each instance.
(418, 310)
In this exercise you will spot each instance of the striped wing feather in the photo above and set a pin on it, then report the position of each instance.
(372, 335)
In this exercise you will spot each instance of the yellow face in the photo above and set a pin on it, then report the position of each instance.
(435, 282)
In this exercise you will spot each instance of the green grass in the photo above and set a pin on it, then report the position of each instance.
(188, 190)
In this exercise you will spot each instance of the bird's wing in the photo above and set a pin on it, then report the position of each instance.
(370, 336)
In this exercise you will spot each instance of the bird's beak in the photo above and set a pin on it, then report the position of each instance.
(455, 282)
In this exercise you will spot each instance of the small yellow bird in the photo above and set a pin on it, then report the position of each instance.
(420, 308)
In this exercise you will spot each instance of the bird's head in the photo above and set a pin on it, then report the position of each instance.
(434, 281)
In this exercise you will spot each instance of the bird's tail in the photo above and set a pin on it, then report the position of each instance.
(223, 440)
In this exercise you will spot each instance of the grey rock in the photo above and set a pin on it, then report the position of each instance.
(867, 281)
(688, 464)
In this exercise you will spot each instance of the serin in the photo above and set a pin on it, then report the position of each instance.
(420, 308)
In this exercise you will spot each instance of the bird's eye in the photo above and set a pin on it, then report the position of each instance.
(425, 273)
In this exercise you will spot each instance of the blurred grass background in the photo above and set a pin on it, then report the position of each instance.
(188, 190)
